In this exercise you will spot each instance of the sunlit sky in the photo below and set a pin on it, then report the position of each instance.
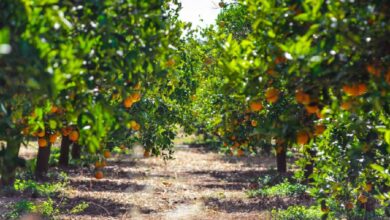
(195, 10)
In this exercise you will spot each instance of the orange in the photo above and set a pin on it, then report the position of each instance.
(312, 109)
(134, 125)
(272, 95)
(170, 63)
(53, 138)
(272, 72)
(346, 105)
(41, 133)
(240, 152)
(98, 165)
(361, 89)
(235, 145)
(387, 77)
(256, 106)
(137, 86)
(99, 175)
(54, 109)
(280, 59)
(74, 136)
(107, 154)
(319, 129)
(355, 90)
(128, 102)
(372, 70)
(302, 97)
(233, 138)
(225, 144)
(42, 142)
(362, 198)
(135, 97)
(302, 137)
(349, 205)
(368, 187)
(66, 131)
(146, 153)
(254, 123)
(26, 131)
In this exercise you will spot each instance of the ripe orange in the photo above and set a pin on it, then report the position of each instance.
(280, 59)
(349, 205)
(26, 131)
(107, 154)
(146, 153)
(302, 137)
(355, 90)
(256, 106)
(74, 136)
(254, 123)
(135, 97)
(346, 105)
(372, 70)
(41, 133)
(235, 145)
(362, 198)
(319, 129)
(66, 131)
(54, 109)
(233, 138)
(312, 109)
(53, 138)
(134, 125)
(272, 72)
(225, 144)
(98, 165)
(302, 97)
(387, 77)
(99, 175)
(272, 95)
(42, 142)
(128, 102)
(240, 152)
(361, 89)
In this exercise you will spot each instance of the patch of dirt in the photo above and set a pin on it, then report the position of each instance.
(197, 184)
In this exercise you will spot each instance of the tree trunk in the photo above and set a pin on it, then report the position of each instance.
(310, 166)
(281, 162)
(64, 151)
(43, 161)
(76, 151)
(9, 161)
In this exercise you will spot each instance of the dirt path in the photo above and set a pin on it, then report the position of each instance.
(196, 185)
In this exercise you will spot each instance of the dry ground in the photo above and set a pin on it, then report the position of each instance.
(197, 184)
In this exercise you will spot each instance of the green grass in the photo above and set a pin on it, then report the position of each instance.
(282, 189)
(297, 212)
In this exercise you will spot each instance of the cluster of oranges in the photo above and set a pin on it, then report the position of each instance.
(303, 136)
(100, 164)
(131, 99)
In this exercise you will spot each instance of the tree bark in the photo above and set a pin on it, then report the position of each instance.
(9, 161)
(310, 166)
(76, 151)
(43, 161)
(64, 151)
(281, 162)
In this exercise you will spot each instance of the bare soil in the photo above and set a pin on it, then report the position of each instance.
(197, 184)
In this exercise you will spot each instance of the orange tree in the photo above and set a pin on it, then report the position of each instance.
(315, 76)
(89, 66)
